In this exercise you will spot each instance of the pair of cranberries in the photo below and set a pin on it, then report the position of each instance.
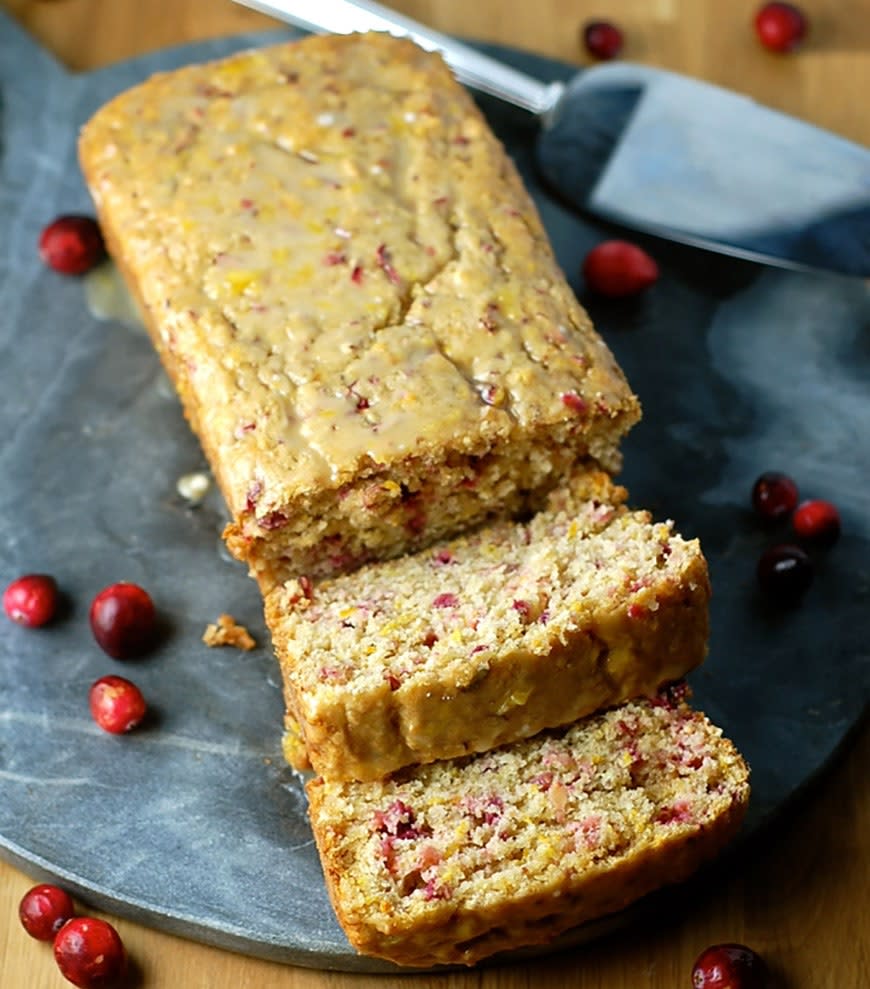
(123, 620)
(780, 27)
(88, 951)
(785, 570)
(122, 615)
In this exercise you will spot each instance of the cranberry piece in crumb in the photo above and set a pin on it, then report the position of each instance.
(31, 600)
(306, 586)
(44, 909)
(72, 245)
(571, 400)
(89, 953)
(602, 39)
(729, 966)
(117, 705)
(672, 695)
(780, 27)
(123, 620)
(818, 522)
(618, 268)
(785, 573)
(774, 495)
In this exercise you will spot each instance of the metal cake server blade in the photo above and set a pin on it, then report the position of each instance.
(663, 153)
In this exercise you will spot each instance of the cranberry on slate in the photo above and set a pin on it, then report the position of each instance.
(123, 620)
(602, 39)
(44, 909)
(89, 953)
(817, 522)
(729, 966)
(780, 27)
(31, 600)
(117, 705)
(72, 245)
(774, 495)
(618, 268)
(785, 573)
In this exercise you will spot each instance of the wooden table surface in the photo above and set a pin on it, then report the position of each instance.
(800, 896)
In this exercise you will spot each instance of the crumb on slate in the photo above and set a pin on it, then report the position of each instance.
(227, 632)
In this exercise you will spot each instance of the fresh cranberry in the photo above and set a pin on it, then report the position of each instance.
(729, 966)
(785, 572)
(602, 39)
(72, 245)
(123, 619)
(774, 495)
(117, 705)
(617, 268)
(818, 522)
(31, 600)
(44, 909)
(89, 953)
(780, 27)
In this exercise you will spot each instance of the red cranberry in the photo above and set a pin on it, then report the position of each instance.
(44, 909)
(774, 495)
(818, 522)
(72, 245)
(785, 573)
(780, 27)
(122, 620)
(31, 600)
(602, 39)
(89, 953)
(117, 705)
(617, 268)
(729, 966)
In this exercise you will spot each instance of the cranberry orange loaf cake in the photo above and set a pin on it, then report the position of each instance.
(491, 637)
(354, 296)
(454, 861)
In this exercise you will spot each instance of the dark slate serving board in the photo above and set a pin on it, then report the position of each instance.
(193, 824)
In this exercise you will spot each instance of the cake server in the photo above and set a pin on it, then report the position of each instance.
(663, 153)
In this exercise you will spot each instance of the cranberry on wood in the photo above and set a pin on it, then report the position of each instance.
(44, 909)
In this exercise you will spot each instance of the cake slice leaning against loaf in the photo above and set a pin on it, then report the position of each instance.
(354, 295)
(452, 862)
(490, 637)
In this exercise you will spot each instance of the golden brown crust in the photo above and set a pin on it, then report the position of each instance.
(354, 297)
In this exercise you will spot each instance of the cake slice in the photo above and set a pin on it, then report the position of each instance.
(490, 637)
(354, 296)
(452, 862)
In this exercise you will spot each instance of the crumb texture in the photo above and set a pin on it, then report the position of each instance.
(492, 636)
(354, 295)
(452, 862)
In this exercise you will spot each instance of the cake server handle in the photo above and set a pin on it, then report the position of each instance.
(476, 70)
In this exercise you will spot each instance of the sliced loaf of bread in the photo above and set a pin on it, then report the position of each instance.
(491, 637)
(452, 862)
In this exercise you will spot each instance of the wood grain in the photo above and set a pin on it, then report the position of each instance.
(801, 894)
